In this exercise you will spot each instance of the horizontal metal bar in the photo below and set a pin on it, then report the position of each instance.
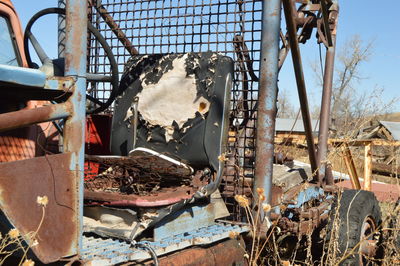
(98, 77)
(21, 76)
(26, 117)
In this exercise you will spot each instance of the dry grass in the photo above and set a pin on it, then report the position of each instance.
(14, 243)
(265, 251)
(389, 230)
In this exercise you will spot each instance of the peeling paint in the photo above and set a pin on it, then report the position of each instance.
(174, 98)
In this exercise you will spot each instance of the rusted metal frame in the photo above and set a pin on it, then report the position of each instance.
(325, 18)
(162, 198)
(115, 28)
(26, 117)
(214, 255)
(267, 97)
(301, 86)
(303, 227)
(74, 128)
(323, 134)
(351, 168)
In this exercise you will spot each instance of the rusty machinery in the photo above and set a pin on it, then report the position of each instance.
(142, 100)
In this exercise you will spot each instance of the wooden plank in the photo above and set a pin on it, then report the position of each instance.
(363, 142)
(367, 167)
(351, 169)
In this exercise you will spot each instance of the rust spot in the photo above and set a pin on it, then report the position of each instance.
(202, 107)
(73, 57)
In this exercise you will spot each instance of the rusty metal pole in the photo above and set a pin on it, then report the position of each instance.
(325, 112)
(267, 96)
(301, 86)
(26, 117)
(327, 91)
(75, 67)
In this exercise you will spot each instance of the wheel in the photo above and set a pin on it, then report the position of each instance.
(358, 227)
(59, 63)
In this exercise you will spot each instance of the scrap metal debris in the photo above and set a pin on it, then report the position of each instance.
(128, 179)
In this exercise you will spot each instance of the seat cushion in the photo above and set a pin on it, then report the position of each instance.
(182, 99)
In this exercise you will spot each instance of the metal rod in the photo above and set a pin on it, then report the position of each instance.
(26, 117)
(116, 29)
(267, 97)
(98, 77)
(61, 30)
(74, 129)
(323, 134)
(327, 90)
(325, 17)
(301, 86)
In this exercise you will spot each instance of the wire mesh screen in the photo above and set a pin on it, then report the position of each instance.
(230, 27)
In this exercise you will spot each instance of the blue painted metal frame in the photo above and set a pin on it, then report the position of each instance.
(187, 219)
(267, 97)
(75, 66)
(109, 251)
(22, 76)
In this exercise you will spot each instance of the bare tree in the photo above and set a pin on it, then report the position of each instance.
(284, 105)
(350, 58)
(349, 105)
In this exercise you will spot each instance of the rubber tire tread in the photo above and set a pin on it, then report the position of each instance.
(355, 206)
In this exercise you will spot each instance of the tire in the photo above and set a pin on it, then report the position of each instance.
(359, 216)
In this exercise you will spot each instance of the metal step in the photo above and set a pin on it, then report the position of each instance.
(102, 251)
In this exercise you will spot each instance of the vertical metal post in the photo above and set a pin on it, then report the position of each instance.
(301, 86)
(267, 96)
(327, 89)
(325, 111)
(61, 49)
(75, 66)
(61, 30)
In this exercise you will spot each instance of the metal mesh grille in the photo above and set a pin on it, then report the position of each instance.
(230, 27)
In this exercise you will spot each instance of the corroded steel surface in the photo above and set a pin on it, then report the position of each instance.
(147, 163)
(165, 197)
(141, 188)
(230, 252)
(27, 117)
(74, 128)
(21, 182)
(267, 98)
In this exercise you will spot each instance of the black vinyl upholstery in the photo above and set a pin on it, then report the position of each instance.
(200, 94)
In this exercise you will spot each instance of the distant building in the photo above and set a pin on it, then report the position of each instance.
(288, 129)
(380, 130)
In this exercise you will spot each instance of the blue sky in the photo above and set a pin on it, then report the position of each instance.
(371, 20)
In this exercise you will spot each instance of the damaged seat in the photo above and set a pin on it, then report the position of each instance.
(174, 110)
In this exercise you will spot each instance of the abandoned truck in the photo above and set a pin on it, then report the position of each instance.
(150, 139)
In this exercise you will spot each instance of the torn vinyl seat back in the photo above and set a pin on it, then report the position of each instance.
(181, 102)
